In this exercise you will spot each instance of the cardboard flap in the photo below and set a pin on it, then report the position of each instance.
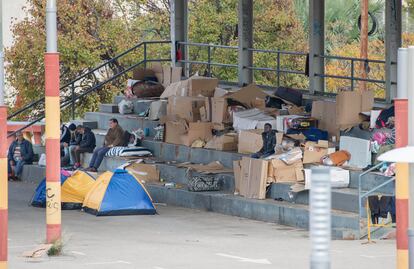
(247, 95)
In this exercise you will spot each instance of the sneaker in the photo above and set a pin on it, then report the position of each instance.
(76, 166)
(93, 169)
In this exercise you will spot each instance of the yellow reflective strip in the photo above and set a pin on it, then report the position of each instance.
(401, 181)
(3, 183)
(53, 200)
(52, 117)
(402, 259)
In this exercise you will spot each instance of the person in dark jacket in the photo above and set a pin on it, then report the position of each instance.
(269, 143)
(66, 135)
(87, 143)
(20, 153)
(75, 139)
(114, 138)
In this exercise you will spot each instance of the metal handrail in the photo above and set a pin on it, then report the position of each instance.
(72, 82)
(71, 100)
(349, 58)
(207, 45)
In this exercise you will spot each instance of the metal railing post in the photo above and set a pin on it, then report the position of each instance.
(320, 218)
(278, 69)
(145, 55)
(209, 61)
(73, 100)
(352, 74)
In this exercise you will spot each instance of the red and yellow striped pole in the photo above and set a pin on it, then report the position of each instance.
(53, 207)
(3, 189)
(53, 199)
(401, 183)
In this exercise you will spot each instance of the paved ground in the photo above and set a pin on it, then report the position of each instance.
(177, 238)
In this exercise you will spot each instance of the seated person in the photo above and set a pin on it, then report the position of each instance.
(66, 135)
(75, 139)
(269, 143)
(86, 144)
(20, 153)
(114, 138)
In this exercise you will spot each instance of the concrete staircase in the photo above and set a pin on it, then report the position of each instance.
(282, 205)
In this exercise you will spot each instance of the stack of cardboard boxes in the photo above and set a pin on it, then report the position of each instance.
(195, 109)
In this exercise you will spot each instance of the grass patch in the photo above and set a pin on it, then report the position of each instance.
(56, 248)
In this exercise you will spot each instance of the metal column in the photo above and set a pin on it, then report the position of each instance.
(392, 43)
(52, 112)
(245, 31)
(316, 45)
(179, 30)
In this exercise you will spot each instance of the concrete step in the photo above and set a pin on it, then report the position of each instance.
(345, 199)
(92, 124)
(118, 98)
(269, 210)
(128, 122)
(141, 106)
(109, 108)
(180, 153)
(33, 173)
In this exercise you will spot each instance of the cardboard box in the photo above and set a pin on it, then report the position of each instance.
(226, 142)
(171, 74)
(179, 88)
(157, 109)
(197, 130)
(250, 141)
(140, 73)
(202, 86)
(253, 178)
(174, 130)
(219, 111)
(248, 95)
(187, 108)
(144, 172)
(313, 151)
(237, 176)
(281, 172)
(344, 113)
(219, 92)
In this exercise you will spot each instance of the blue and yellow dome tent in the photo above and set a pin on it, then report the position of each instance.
(73, 192)
(118, 193)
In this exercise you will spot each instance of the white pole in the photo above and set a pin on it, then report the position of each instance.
(1, 56)
(51, 26)
(402, 73)
(320, 218)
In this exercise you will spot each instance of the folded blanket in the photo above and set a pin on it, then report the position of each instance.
(128, 151)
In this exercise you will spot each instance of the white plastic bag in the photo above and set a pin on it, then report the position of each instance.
(126, 107)
(42, 160)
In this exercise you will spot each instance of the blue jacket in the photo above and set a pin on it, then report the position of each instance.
(26, 150)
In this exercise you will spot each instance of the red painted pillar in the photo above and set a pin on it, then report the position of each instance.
(401, 183)
(3, 188)
(53, 198)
